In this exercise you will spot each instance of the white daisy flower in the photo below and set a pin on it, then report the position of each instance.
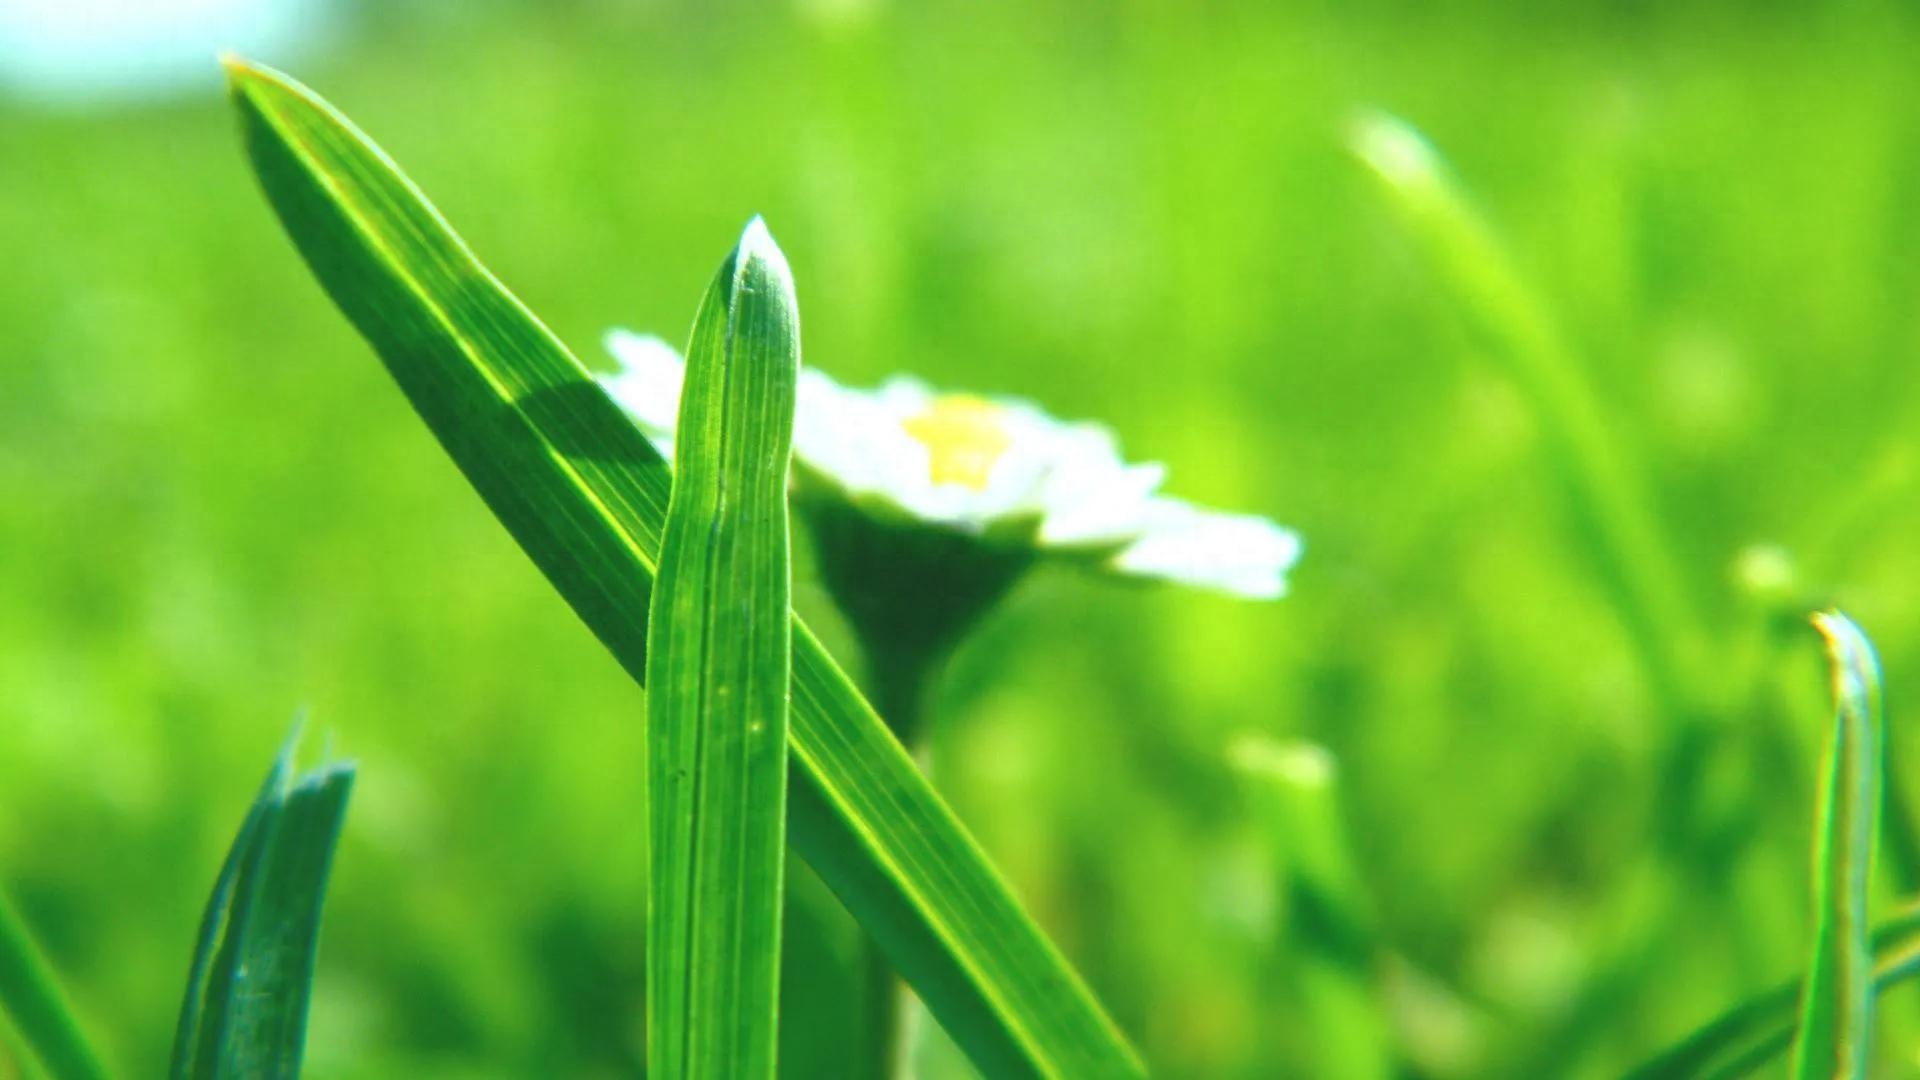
(1000, 469)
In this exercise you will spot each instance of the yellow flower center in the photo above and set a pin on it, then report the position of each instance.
(964, 436)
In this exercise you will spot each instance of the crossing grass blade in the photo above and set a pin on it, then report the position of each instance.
(718, 665)
(245, 1009)
(1746, 1037)
(586, 496)
(31, 998)
(1830, 1030)
(1836, 1012)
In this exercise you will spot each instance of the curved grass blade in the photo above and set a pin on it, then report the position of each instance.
(245, 1009)
(718, 667)
(1836, 1013)
(31, 997)
(1611, 505)
(1750, 1034)
(585, 496)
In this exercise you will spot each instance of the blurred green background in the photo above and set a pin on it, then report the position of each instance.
(215, 510)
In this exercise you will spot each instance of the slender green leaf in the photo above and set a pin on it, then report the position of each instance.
(718, 668)
(1611, 504)
(1836, 1012)
(1293, 787)
(585, 495)
(1750, 1034)
(245, 1009)
(31, 997)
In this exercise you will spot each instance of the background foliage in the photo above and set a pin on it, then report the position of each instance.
(214, 508)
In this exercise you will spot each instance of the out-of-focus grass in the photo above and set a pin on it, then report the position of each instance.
(214, 507)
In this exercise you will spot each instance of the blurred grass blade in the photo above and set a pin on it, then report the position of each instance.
(718, 668)
(1293, 787)
(245, 1010)
(585, 495)
(1611, 505)
(31, 998)
(1750, 1034)
(1836, 1012)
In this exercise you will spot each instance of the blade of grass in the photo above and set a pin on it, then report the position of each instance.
(718, 666)
(1293, 787)
(585, 495)
(31, 998)
(1834, 1006)
(1611, 505)
(1750, 1034)
(1836, 1013)
(245, 1009)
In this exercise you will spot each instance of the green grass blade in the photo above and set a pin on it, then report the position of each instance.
(31, 997)
(1750, 1034)
(245, 1009)
(1293, 787)
(585, 495)
(1611, 504)
(1836, 1012)
(718, 668)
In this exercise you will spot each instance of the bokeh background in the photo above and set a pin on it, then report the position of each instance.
(215, 510)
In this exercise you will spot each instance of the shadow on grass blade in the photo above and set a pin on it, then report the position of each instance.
(585, 495)
(245, 1010)
(718, 666)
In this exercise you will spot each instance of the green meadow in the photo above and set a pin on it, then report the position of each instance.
(1548, 673)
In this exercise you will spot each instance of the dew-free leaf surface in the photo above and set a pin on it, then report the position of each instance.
(585, 495)
(719, 644)
(245, 1009)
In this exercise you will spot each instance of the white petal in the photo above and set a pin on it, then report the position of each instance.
(1090, 505)
(649, 381)
(849, 437)
(904, 396)
(1241, 554)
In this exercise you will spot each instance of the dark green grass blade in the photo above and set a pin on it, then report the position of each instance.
(1754, 1032)
(718, 668)
(585, 495)
(245, 1009)
(1836, 1015)
(31, 998)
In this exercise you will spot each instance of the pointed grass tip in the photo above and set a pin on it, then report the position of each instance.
(1856, 668)
(757, 245)
(1391, 147)
(1293, 762)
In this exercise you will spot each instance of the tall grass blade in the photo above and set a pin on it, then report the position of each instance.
(585, 495)
(718, 667)
(245, 1009)
(1836, 1011)
(31, 998)
(1611, 504)
(1749, 1035)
